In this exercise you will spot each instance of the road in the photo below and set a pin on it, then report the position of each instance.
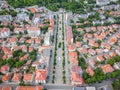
(50, 73)
(59, 58)
(67, 66)
(58, 87)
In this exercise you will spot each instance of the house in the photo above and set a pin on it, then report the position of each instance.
(16, 77)
(4, 69)
(15, 48)
(78, 44)
(24, 48)
(6, 50)
(99, 51)
(112, 54)
(107, 68)
(29, 88)
(4, 32)
(71, 47)
(36, 64)
(5, 88)
(107, 56)
(6, 18)
(34, 31)
(117, 65)
(92, 62)
(73, 57)
(118, 51)
(100, 58)
(76, 69)
(51, 22)
(6, 78)
(38, 40)
(112, 40)
(30, 49)
(33, 9)
(36, 18)
(12, 40)
(69, 34)
(25, 57)
(102, 2)
(50, 30)
(77, 80)
(22, 17)
(41, 76)
(83, 50)
(78, 88)
(28, 77)
(47, 40)
(92, 51)
(90, 88)
(22, 40)
(31, 41)
(84, 16)
(19, 30)
(90, 71)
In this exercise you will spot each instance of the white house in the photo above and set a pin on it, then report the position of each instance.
(34, 31)
(47, 39)
(36, 19)
(102, 2)
(50, 30)
(22, 16)
(41, 76)
(117, 65)
(18, 30)
(4, 32)
(118, 51)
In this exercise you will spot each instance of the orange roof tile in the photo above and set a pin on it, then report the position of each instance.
(100, 58)
(27, 77)
(107, 68)
(33, 10)
(4, 68)
(90, 71)
(113, 54)
(107, 56)
(83, 50)
(112, 40)
(71, 47)
(16, 77)
(73, 54)
(5, 88)
(41, 75)
(29, 88)
(78, 44)
(37, 40)
(5, 78)
(77, 78)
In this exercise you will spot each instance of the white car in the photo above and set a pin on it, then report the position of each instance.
(59, 58)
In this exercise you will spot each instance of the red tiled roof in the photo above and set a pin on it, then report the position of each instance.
(41, 75)
(4, 68)
(107, 68)
(16, 77)
(27, 77)
(100, 58)
(5, 88)
(71, 47)
(76, 69)
(90, 71)
(78, 44)
(5, 78)
(29, 88)
(77, 78)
